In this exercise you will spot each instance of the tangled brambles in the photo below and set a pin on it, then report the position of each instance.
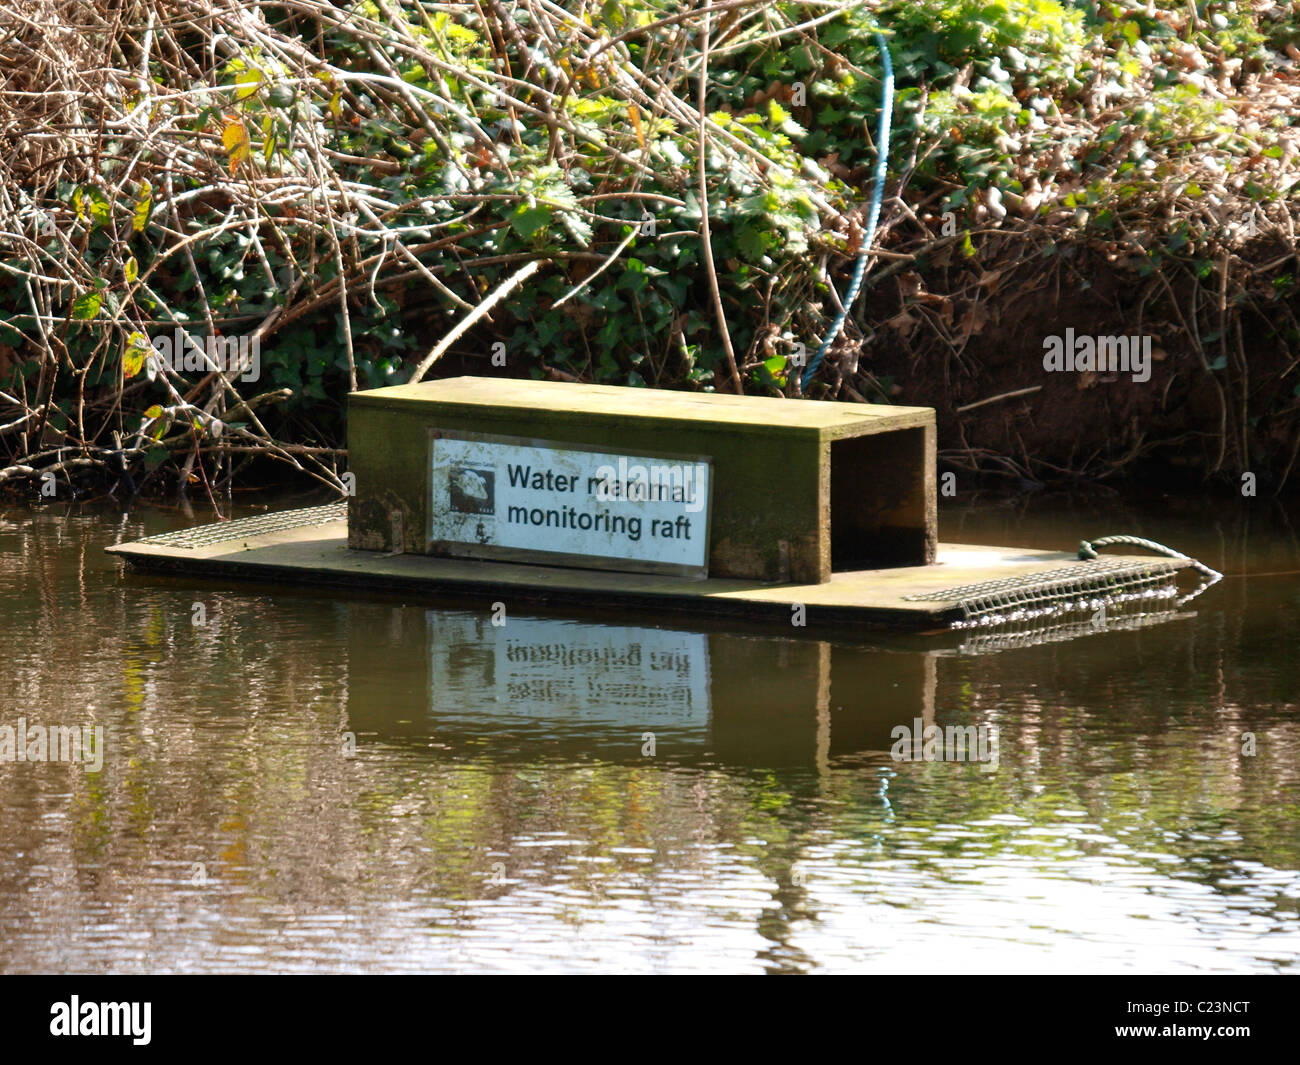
(362, 191)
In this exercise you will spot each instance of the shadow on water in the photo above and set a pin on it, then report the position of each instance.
(305, 782)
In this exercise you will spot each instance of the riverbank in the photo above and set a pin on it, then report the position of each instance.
(651, 196)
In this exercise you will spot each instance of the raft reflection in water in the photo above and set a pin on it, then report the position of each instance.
(554, 687)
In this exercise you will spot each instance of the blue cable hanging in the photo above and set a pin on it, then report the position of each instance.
(877, 194)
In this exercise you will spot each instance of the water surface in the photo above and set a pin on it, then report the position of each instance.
(311, 783)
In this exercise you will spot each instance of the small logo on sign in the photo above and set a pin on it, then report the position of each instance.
(472, 490)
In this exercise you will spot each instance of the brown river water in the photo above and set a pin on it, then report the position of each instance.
(307, 782)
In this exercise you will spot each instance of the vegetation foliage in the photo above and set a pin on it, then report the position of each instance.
(343, 183)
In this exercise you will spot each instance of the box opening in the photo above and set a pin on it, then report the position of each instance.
(878, 501)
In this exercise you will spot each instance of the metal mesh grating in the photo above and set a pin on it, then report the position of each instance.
(242, 528)
(1080, 586)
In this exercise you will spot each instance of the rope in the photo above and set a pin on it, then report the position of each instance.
(877, 194)
(1088, 550)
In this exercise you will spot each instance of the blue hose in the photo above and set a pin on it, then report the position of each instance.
(877, 194)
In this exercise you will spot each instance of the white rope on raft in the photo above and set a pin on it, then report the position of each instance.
(1088, 550)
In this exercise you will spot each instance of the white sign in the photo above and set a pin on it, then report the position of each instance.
(548, 669)
(532, 500)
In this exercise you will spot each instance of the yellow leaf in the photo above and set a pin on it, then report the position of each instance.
(336, 99)
(634, 113)
(155, 414)
(247, 83)
(143, 207)
(234, 138)
(131, 270)
(137, 350)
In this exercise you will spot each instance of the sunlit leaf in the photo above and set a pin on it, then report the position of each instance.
(137, 350)
(143, 207)
(155, 414)
(529, 221)
(91, 204)
(86, 306)
(247, 84)
(234, 138)
(634, 113)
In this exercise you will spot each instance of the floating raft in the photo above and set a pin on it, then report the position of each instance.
(966, 586)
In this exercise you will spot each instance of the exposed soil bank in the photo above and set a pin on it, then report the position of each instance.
(1216, 399)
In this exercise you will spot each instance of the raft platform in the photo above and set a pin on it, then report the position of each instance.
(966, 585)
(789, 514)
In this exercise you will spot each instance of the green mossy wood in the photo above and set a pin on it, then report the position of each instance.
(799, 488)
